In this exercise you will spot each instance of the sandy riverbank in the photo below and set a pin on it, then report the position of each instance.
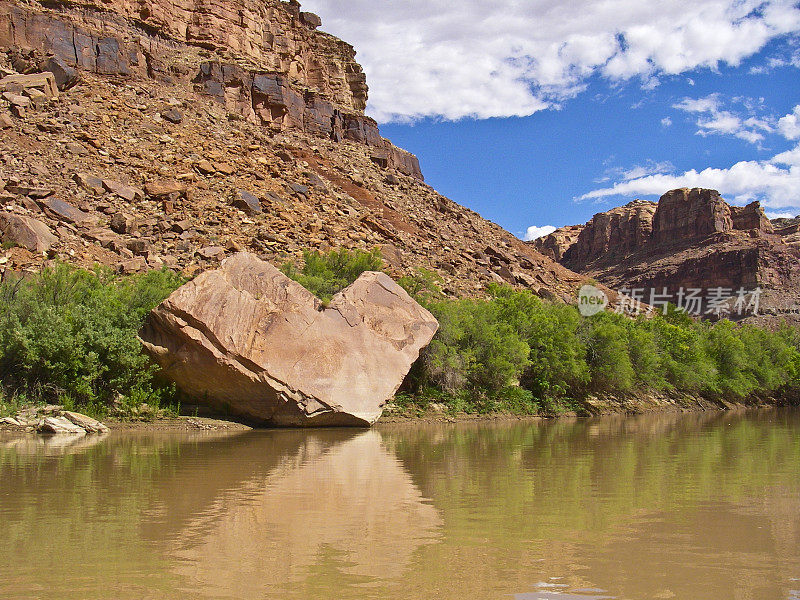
(590, 407)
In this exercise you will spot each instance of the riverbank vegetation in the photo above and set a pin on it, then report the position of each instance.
(513, 351)
(68, 336)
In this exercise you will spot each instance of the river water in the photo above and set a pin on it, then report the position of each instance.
(694, 506)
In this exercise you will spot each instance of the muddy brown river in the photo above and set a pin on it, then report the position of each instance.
(694, 506)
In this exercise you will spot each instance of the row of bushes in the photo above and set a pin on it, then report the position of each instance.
(515, 340)
(69, 335)
(516, 351)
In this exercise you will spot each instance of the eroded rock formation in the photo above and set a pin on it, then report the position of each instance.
(247, 339)
(287, 74)
(270, 99)
(554, 245)
(690, 213)
(620, 231)
(692, 239)
(122, 37)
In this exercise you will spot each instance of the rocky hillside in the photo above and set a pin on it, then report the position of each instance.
(690, 239)
(177, 132)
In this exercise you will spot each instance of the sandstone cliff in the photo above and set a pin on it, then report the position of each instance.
(691, 239)
(618, 231)
(263, 61)
(557, 243)
(183, 132)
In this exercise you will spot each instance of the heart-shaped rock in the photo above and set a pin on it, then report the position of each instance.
(246, 339)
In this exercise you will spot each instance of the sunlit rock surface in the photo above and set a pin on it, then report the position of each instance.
(246, 339)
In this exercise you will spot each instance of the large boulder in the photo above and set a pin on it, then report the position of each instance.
(26, 232)
(247, 339)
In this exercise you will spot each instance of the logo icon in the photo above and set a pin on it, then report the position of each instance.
(591, 300)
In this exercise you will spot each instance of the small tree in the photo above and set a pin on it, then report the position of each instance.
(324, 275)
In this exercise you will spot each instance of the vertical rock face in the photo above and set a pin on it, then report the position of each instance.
(105, 36)
(680, 216)
(270, 100)
(689, 213)
(286, 74)
(691, 239)
(620, 230)
(557, 243)
(751, 217)
(247, 339)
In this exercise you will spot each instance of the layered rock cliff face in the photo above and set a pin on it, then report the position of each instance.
(150, 37)
(270, 65)
(686, 214)
(557, 243)
(692, 239)
(619, 231)
(184, 132)
(789, 230)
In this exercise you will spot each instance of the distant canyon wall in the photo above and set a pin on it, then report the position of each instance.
(691, 238)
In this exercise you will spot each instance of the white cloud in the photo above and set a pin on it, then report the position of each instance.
(482, 59)
(666, 122)
(777, 62)
(775, 182)
(789, 126)
(535, 232)
(650, 167)
(781, 215)
(714, 120)
(709, 104)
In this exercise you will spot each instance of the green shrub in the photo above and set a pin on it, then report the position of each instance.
(772, 358)
(326, 274)
(68, 334)
(791, 340)
(607, 354)
(423, 285)
(474, 348)
(557, 361)
(645, 355)
(684, 363)
(479, 354)
(731, 359)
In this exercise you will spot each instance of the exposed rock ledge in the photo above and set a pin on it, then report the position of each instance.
(52, 419)
(246, 339)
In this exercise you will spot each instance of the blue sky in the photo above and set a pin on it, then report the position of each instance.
(534, 114)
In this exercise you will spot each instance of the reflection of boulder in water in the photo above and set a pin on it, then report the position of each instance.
(57, 445)
(353, 503)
